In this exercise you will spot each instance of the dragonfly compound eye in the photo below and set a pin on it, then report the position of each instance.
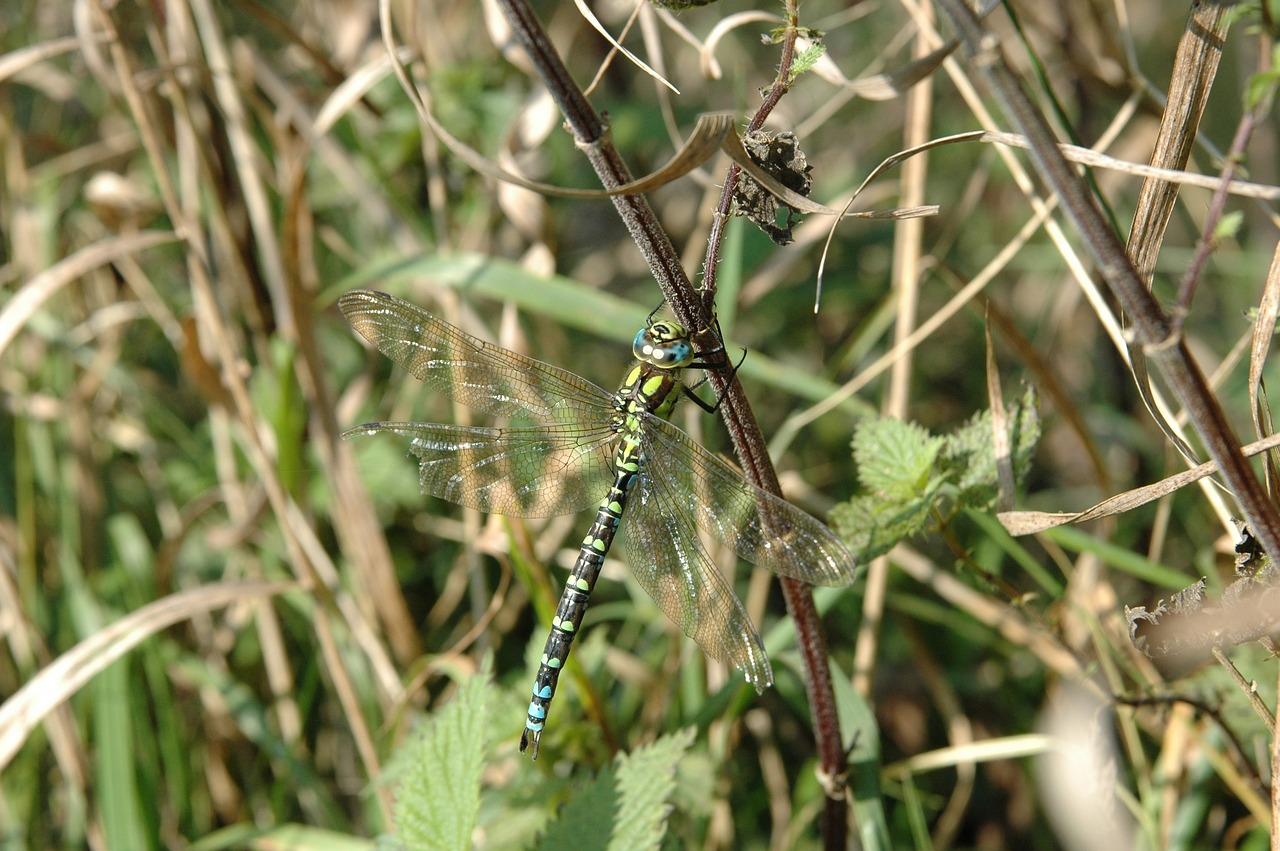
(663, 344)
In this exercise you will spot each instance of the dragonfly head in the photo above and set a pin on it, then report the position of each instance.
(664, 344)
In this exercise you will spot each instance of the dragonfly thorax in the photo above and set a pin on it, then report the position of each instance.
(664, 344)
(647, 389)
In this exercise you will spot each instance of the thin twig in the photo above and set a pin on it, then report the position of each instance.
(1242, 756)
(1217, 206)
(1249, 689)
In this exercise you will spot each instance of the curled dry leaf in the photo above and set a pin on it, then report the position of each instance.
(780, 156)
(1018, 523)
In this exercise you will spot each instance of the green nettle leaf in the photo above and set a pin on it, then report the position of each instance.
(968, 456)
(1228, 226)
(872, 525)
(894, 457)
(968, 461)
(1261, 88)
(646, 778)
(806, 59)
(625, 806)
(912, 478)
(587, 819)
(439, 797)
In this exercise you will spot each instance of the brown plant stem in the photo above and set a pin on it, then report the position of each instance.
(591, 135)
(753, 453)
(1218, 204)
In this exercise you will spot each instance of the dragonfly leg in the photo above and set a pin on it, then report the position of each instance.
(688, 391)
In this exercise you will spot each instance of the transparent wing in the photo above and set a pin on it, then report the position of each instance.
(668, 560)
(480, 375)
(516, 472)
(758, 526)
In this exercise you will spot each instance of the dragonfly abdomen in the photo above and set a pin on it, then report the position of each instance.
(646, 389)
(573, 602)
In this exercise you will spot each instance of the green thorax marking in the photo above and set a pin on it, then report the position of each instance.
(662, 349)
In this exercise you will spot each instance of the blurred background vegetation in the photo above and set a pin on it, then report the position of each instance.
(237, 620)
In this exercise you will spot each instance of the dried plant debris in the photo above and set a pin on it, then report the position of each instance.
(1152, 632)
(1249, 610)
(1250, 557)
(680, 5)
(779, 155)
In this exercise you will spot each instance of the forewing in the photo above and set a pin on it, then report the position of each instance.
(516, 472)
(668, 559)
(480, 375)
(758, 526)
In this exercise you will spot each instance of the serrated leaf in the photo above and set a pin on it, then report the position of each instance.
(588, 818)
(1025, 434)
(646, 778)
(872, 525)
(626, 806)
(1261, 88)
(697, 772)
(895, 458)
(1228, 226)
(913, 479)
(967, 458)
(439, 797)
(806, 59)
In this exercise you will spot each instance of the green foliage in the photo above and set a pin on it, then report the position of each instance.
(438, 800)
(626, 805)
(908, 476)
(968, 457)
(858, 722)
(121, 807)
(1260, 16)
(1261, 91)
(898, 498)
(894, 457)
(805, 59)
(439, 796)
(169, 414)
(1228, 226)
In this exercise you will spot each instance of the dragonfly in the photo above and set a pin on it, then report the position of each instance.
(564, 445)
